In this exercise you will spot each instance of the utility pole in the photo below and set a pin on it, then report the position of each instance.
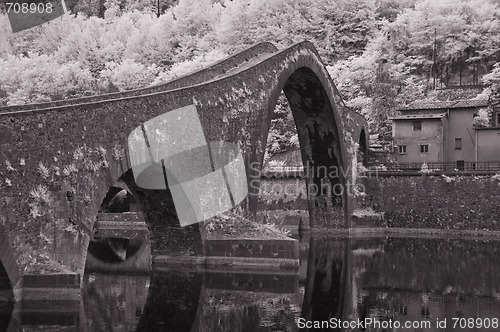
(434, 67)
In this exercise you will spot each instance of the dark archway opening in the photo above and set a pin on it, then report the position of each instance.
(120, 242)
(362, 149)
(318, 136)
(166, 234)
(114, 250)
(6, 299)
(283, 195)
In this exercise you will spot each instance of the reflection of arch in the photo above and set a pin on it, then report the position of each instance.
(103, 298)
(327, 277)
(172, 305)
(186, 300)
(138, 258)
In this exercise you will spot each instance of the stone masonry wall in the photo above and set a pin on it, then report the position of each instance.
(441, 202)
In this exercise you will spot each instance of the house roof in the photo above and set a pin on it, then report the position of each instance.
(433, 105)
(419, 116)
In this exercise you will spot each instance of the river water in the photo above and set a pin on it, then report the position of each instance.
(432, 284)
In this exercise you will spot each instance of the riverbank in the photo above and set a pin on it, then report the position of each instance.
(449, 203)
(403, 232)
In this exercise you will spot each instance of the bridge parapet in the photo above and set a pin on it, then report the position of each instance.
(204, 75)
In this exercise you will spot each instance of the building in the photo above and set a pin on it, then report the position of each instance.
(442, 134)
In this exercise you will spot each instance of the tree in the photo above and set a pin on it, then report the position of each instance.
(492, 81)
(483, 118)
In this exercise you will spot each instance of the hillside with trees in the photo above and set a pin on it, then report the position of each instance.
(382, 54)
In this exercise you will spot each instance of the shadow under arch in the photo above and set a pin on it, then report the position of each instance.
(316, 113)
(363, 147)
(166, 234)
(6, 299)
(10, 275)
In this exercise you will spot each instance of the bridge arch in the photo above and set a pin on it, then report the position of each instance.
(317, 114)
(363, 147)
(154, 207)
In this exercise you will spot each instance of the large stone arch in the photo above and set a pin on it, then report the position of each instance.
(319, 128)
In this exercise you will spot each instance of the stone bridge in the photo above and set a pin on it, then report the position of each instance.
(60, 160)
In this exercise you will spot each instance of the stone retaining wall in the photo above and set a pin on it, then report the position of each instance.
(288, 249)
(441, 202)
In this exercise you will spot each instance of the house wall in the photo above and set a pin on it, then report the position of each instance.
(460, 126)
(488, 145)
(431, 134)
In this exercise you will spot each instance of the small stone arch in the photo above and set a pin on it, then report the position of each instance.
(161, 217)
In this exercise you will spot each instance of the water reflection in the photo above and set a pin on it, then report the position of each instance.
(114, 302)
(398, 279)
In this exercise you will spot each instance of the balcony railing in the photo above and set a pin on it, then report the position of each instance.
(447, 167)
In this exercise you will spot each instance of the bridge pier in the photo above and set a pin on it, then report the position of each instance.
(132, 252)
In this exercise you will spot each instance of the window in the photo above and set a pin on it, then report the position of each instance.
(417, 125)
(402, 149)
(498, 119)
(425, 311)
(458, 143)
(403, 310)
(424, 148)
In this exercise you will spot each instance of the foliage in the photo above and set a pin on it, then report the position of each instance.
(380, 53)
(492, 81)
(424, 170)
(232, 225)
(483, 118)
(282, 134)
(397, 64)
